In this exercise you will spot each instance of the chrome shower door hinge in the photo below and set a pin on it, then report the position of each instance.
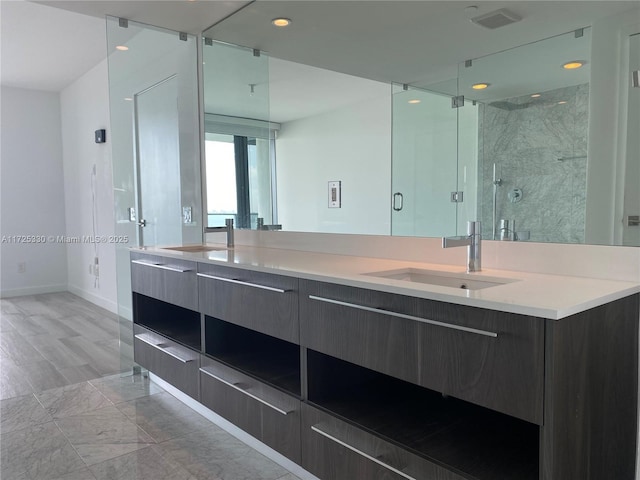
(457, 102)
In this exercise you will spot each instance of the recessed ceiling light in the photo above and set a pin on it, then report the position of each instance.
(128, 99)
(562, 102)
(414, 101)
(281, 22)
(536, 95)
(122, 48)
(572, 65)
(479, 86)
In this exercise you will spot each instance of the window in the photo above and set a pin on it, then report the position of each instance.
(239, 166)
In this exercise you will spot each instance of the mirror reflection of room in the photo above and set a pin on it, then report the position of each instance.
(503, 139)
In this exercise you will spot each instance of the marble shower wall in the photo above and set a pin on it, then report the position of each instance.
(526, 138)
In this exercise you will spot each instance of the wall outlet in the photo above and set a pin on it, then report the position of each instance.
(22, 267)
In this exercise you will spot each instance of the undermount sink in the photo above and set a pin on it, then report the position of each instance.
(194, 248)
(444, 279)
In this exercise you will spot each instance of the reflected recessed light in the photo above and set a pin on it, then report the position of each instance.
(128, 99)
(573, 64)
(122, 48)
(536, 95)
(414, 101)
(281, 22)
(479, 86)
(562, 102)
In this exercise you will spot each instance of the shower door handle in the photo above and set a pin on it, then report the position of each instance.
(397, 196)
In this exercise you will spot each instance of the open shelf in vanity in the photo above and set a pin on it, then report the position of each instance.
(473, 441)
(176, 323)
(271, 360)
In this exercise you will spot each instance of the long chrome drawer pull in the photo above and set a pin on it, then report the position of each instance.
(360, 452)
(162, 348)
(240, 282)
(241, 390)
(161, 266)
(408, 317)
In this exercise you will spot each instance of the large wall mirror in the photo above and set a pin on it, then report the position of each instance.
(374, 128)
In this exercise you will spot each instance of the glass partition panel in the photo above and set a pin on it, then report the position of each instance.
(424, 163)
(155, 147)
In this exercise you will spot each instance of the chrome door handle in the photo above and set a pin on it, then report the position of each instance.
(397, 196)
(142, 222)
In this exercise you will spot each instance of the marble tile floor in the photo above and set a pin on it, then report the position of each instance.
(120, 428)
(68, 413)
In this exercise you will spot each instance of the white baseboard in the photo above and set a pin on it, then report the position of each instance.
(229, 427)
(20, 292)
(95, 299)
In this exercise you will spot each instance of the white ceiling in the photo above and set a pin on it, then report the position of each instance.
(401, 41)
(40, 47)
(47, 48)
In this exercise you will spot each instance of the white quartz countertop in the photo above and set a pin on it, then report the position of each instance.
(547, 296)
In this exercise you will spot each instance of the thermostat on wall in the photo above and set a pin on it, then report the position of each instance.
(101, 136)
(335, 194)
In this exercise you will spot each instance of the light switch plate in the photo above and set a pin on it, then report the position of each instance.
(132, 214)
(335, 194)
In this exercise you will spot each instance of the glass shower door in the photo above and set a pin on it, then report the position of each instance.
(424, 163)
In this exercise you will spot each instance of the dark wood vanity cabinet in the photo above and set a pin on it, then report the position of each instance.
(268, 414)
(260, 301)
(541, 400)
(354, 383)
(489, 358)
(167, 279)
(170, 360)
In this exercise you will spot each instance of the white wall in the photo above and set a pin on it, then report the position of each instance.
(351, 144)
(32, 192)
(84, 109)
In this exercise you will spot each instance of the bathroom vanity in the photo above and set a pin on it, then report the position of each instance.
(355, 371)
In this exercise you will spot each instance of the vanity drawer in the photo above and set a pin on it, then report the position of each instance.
(167, 279)
(169, 360)
(259, 301)
(489, 358)
(271, 416)
(335, 450)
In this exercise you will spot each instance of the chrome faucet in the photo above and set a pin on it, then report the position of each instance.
(473, 242)
(227, 228)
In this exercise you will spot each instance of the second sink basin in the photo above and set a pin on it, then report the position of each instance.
(194, 248)
(444, 279)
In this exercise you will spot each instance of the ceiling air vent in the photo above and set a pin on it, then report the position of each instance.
(496, 19)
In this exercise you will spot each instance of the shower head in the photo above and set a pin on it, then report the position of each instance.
(509, 106)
